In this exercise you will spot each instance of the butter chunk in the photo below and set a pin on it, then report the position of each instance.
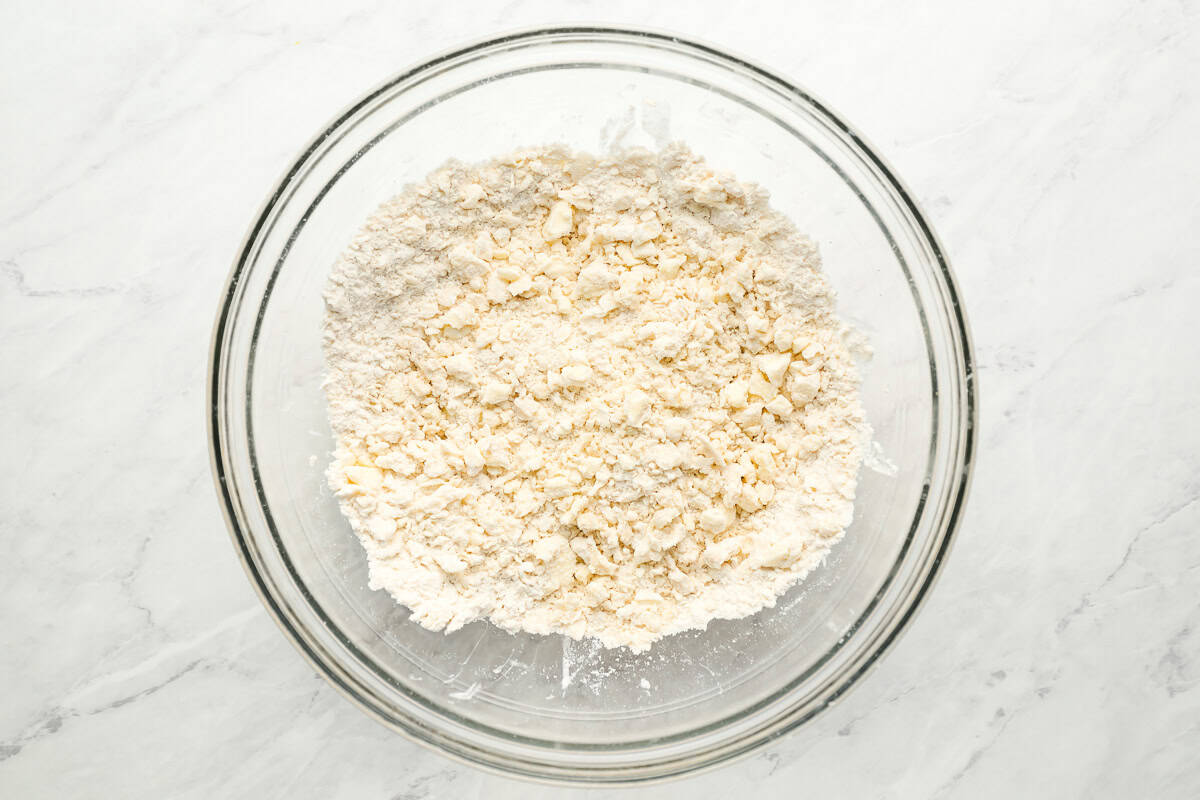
(576, 375)
(804, 388)
(774, 366)
(779, 406)
(495, 392)
(737, 394)
(369, 478)
(560, 222)
(715, 520)
(637, 405)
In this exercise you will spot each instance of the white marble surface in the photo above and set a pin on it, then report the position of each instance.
(1058, 154)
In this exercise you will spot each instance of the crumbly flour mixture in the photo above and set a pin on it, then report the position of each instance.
(599, 397)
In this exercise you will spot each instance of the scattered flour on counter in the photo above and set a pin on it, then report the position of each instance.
(608, 398)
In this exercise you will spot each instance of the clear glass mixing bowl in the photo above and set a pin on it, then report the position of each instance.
(544, 706)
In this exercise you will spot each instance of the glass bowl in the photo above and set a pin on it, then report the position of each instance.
(545, 706)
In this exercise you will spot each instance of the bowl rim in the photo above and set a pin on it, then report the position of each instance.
(786, 719)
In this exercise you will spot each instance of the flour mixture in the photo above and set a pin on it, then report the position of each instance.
(606, 398)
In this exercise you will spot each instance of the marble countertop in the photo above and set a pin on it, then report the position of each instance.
(1057, 152)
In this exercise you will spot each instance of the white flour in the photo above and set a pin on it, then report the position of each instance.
(604, 398)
